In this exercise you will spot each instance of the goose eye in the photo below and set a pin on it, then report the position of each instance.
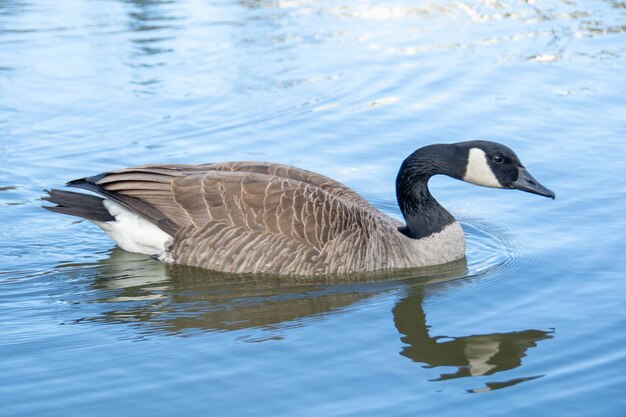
(498, 159)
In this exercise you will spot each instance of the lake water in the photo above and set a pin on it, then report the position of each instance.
(533, 323)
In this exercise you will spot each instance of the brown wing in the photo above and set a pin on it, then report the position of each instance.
(152, 184)
(252, 201)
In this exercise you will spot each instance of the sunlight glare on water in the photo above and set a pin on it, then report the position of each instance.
(532, 322)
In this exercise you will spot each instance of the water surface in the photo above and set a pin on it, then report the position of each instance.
(532, 322)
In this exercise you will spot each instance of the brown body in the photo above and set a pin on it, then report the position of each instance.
(256, 217)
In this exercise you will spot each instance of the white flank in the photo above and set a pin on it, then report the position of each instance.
(478, 171)
(134, 233)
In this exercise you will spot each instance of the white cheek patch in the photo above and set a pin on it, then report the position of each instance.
(478, 171)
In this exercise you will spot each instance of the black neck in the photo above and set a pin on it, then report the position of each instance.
(422, 213)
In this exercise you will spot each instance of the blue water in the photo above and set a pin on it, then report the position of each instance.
(534, 323)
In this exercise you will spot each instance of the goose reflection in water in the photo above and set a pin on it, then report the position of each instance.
(474, 355)
(178, 300)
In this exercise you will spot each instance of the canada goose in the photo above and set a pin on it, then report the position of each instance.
(259, 217)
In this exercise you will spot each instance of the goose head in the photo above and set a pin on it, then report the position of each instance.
(479, 162)
(494, 165)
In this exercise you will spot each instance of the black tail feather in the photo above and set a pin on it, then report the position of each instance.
(77, 204)
(135, 205)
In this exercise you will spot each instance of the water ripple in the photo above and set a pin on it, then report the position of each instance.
(492, 250)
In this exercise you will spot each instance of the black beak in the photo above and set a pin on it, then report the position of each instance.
(526, 182)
